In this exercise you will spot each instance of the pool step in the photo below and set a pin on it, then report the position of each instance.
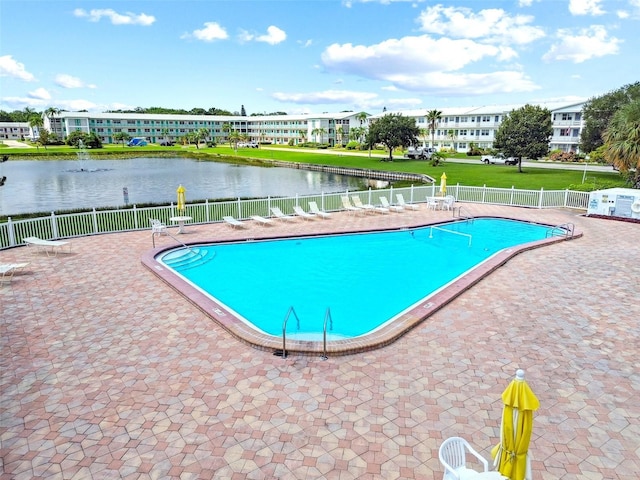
(190, 258)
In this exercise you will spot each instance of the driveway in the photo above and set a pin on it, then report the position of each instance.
(15, 144)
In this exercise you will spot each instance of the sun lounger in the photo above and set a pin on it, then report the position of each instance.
(233, 222)
(313, 208)
(385, 204)
(278, 214)
(404, 204)
(301, 213)
(368, 207)
(261, 220)
(8, 270)
(50, 247)
(346, 204)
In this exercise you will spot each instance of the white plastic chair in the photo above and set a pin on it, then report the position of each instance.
(157, 227)
(449, 200)
(453, 456)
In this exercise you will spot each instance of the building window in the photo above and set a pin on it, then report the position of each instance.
(463, 132)
(565, 132)
(566, 116)
(487, 118)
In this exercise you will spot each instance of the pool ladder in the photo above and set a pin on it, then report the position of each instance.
(328, 322)
(563, 230)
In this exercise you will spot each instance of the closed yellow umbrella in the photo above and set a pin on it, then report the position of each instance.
(511, 456)
(443, 184)
(181, 206)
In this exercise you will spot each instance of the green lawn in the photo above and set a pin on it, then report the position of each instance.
(464, 174)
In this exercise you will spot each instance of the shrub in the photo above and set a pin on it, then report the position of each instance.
(560, 156)
(353, 145)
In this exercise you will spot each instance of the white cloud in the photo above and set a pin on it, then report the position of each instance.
(591, 42)
(390, 88)
(67, 81)
(212, 31)
(491, 25)
(633, 12)
(349, 3)
(327, 96)
(11, 68)
(273, 36)
(39, 94)
(128, 18)
(306, 43)
(22, 102)
(585, 7)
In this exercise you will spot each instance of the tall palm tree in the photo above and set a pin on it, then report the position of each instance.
(433, 117)
(452, 135)
(52, 112)
(340, 133)
(622, 140)
(226, 128)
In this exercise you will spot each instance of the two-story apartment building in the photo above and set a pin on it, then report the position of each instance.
(14, 130)
(458, 127)
(328, 128)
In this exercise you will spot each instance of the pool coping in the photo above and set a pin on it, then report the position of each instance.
(385, 335)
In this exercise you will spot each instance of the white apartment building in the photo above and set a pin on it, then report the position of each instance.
(458, 127)
(276, 129)
(14, 130)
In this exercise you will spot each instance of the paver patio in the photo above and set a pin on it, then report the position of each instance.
(109, 373)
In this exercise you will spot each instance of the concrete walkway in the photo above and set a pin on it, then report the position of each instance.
(108, 373)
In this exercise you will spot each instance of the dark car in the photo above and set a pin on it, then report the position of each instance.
(167, 143)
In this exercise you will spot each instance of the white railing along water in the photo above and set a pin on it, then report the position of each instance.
(96, 222)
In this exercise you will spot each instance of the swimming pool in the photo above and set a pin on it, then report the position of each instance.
(366, 280)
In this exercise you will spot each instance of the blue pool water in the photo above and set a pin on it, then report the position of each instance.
(364, 279)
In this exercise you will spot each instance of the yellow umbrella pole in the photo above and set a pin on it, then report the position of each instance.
(443, 184)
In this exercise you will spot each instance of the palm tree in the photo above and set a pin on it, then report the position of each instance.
(452, 135)
(433, 117)
(234, 138)
(303, 135)
(202, 134)
(121, 137)
(622, 140)
(340, 134)
(165, 133)
(226, 128)
(36, 123)
(53, 112)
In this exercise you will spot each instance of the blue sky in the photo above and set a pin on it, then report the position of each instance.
(301, 56)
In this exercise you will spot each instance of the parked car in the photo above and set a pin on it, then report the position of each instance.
(422, 153)
(167, 143)
(247, 145)
(137, 142)
(498, 159)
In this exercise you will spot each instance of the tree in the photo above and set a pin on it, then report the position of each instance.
(226, 128)
(243, 112)
(202, 134)
(52, 112)
(165, 133)
(453, 136)
(393, 130)
(36, 123)
(340, 134)
(121, 137)
(622, 141)
(525, 132)
(319, 132)
(598, 111)
(234, 138)
(433, 117)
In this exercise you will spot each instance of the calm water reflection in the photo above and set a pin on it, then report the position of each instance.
(53, 185)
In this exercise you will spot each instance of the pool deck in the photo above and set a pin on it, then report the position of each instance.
(106, 372)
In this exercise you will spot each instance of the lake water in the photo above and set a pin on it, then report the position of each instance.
(54, 185)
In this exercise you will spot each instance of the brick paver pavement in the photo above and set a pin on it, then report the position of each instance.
(109, 373)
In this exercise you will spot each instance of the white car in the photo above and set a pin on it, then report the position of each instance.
(498, 159)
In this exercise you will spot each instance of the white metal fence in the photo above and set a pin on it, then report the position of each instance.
(127, 219)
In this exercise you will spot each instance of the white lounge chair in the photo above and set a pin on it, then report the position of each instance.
(50, 247)
(452, 455)
(346, 204)
(278, 214)
(404, 204)
(301, 213)
(313, 208)
(385, 204)
(8, 270)
(261, 220)
(233, 223)
(358, 204)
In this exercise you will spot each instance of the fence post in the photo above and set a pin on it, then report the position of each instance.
(95, 220)
(207, 215)
(458, 191)
(11, 232)
(540, 199)
(369, 197)
(136, 223)
(391, 194)
(322, 200)
(512, 192)
(239, 209)
(484, 192)
(566, 197)
(54, 225)
(411, 196)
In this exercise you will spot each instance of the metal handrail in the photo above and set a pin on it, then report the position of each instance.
(449, 231)
(284, 329)
(565, 230)
(327, 320)
(460, 209)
